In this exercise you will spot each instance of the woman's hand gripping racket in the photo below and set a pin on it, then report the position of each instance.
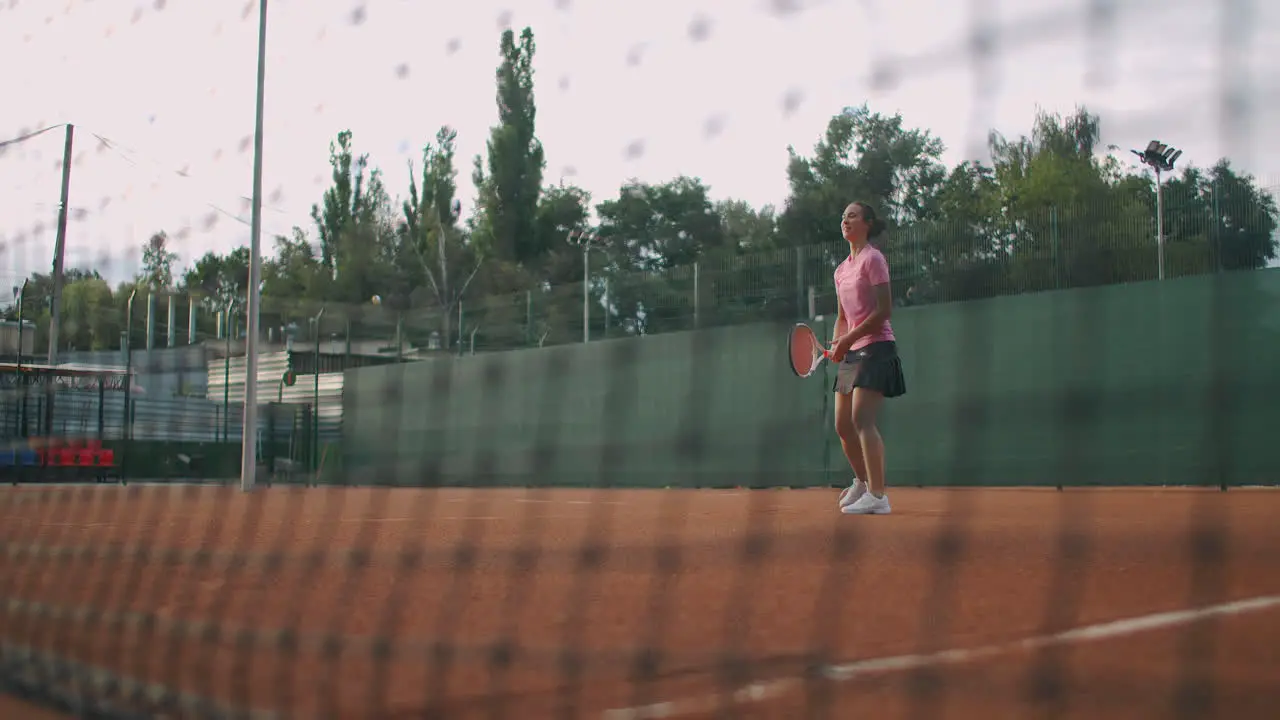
(805, 350)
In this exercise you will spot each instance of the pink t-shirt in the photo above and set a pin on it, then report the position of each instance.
(856, 279)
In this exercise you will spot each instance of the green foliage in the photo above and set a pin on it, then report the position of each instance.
(157, 262)
(356, 227)
(218, 279)
(1052, 209)
(435, 259)
(89, 315)
(294, 272)
(864, 156)
(561, 210)
(508, 193)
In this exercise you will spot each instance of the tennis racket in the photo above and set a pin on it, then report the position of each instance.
(805, 350)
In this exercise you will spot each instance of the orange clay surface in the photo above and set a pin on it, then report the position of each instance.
(662, 603)
(14, 708)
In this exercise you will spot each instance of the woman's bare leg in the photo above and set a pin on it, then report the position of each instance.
(865, 409)
(849, 440)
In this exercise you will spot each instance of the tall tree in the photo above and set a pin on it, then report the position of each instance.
(648, 232)
(958, 254)
(341, 202)
(90, 321)
(218, 279)
(562, 209)
(355, 227)
(553, 303)
(157, 262)
(433, 247)
(653, 227)
(294, 273)
(1245, 219)
(1070, 219)
(508, 193)
(863, 156)
(1217, 220)
(90, 318)
(746, 228)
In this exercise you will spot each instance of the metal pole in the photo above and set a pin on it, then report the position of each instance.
(20, 405)
(1160, 224)
(171, 332)
(21, 294)
(249, 434)
(586, 278)
(315, 401)
(1217, 229)
(192, 310)
(128, 363)
(102, 407)
(695, 294)
(60, 248)
(18, 419)
(151, 319)
(399, 335)
(226, 371)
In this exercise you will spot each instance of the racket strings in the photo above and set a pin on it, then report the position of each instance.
(806, 351)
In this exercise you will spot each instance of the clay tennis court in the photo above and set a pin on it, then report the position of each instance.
(667, 603)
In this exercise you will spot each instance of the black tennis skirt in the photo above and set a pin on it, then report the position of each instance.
(874, 367)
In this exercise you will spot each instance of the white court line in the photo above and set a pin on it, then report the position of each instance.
(770, 689)
(423, 520)
(84, 526)
(568, 502)
(431, 518)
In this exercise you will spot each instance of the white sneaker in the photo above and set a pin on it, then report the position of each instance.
(850, 495)
(868, 504)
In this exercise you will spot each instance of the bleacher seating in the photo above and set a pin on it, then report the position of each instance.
(56, 459)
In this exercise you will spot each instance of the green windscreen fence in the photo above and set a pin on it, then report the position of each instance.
(615, 411)
(1138, 384)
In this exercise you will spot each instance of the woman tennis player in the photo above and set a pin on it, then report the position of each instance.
(869, 369)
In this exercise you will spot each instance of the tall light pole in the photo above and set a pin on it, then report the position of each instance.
(315, 398)
(585, 240)
(60, 248)
(249, 433)
(127, 431)
(1160, 157)
(227, 324)
(20, 294)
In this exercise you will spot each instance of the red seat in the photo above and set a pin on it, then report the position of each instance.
(107, 457)
(86, 458)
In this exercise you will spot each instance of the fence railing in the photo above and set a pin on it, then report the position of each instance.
(1053, 249)
(85, 413)
(985, 256)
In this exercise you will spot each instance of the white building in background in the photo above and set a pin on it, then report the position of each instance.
(9, 338)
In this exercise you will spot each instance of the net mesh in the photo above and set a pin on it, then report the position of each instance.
(526, 443)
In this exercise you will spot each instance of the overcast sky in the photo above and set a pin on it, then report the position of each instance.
(162, 95)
